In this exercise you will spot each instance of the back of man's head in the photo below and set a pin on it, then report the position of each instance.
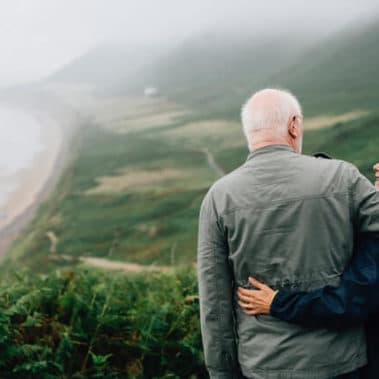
(272, 116)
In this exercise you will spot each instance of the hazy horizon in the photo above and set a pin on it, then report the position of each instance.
(39, 38)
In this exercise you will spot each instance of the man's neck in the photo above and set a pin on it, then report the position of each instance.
(264, 143)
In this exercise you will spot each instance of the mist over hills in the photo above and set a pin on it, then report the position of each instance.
(106, 65)
(211, 73)
(339, 73)
(214, 72)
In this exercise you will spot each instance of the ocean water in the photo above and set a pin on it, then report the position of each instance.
(20, 141)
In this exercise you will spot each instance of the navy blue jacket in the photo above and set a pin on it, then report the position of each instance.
(356, 299)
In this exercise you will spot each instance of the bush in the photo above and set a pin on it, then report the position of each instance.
(92, 324)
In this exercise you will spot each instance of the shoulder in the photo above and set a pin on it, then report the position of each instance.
(347, 171)
(224, 183)
(325, 161)
(218, 190)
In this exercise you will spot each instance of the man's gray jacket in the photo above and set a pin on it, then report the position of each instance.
(288, 220)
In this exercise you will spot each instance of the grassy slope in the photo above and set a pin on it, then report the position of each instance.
(214, 73)
(339, 74)
(92, 225)
(92, 324)
(354, 141)
(334, 75)
(211, 72)
(159, 223)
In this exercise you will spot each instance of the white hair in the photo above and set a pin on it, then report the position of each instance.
(273, 117)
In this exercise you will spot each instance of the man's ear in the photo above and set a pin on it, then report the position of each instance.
(292, 127)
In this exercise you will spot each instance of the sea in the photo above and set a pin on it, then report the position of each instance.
(20, 141)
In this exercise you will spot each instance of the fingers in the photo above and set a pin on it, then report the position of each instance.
(256, 283)
(253, 295)
(255, 301)
(245, 298)
(248, 308)
(245, 291)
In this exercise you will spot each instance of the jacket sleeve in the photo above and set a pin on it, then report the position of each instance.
(215, 281)
(352, 301)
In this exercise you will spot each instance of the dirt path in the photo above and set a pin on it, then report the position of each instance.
(122, 266)
(212, 163)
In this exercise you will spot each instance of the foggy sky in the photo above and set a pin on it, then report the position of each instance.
(39, 36)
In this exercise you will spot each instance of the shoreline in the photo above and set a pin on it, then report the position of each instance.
(35, 183)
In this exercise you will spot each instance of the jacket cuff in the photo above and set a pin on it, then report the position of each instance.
(279, 301)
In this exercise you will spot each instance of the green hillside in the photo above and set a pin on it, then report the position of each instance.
(338, 74)
(211, 72)
(214, 72)
(133, 195)
(144, 164)
(214, 75)
(89, 323)
(130, 197)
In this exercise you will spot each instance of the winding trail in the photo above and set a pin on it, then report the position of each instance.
(213, 163)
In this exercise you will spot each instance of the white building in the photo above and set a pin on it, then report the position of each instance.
(151, 91)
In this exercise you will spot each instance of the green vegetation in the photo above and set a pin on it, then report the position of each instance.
(214, 74)
(89, 324)
(77, 323)
(355, 141)
(153, 222)
(156, 225)
(133, 192)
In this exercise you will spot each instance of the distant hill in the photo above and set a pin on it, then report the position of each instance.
(213, 73)
(338, 74)
(331, 75)
(105, 66)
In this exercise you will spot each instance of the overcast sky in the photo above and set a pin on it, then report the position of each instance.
(39, 36)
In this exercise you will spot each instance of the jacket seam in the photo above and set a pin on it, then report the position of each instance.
(310, 197)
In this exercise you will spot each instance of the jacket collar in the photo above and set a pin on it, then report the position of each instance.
(269, 149)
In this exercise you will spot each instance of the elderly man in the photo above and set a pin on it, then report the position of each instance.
(355, 299)
(288, 220)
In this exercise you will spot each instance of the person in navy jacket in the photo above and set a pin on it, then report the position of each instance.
(356, 299)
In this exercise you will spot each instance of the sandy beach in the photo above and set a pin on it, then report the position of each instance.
(34, 183)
